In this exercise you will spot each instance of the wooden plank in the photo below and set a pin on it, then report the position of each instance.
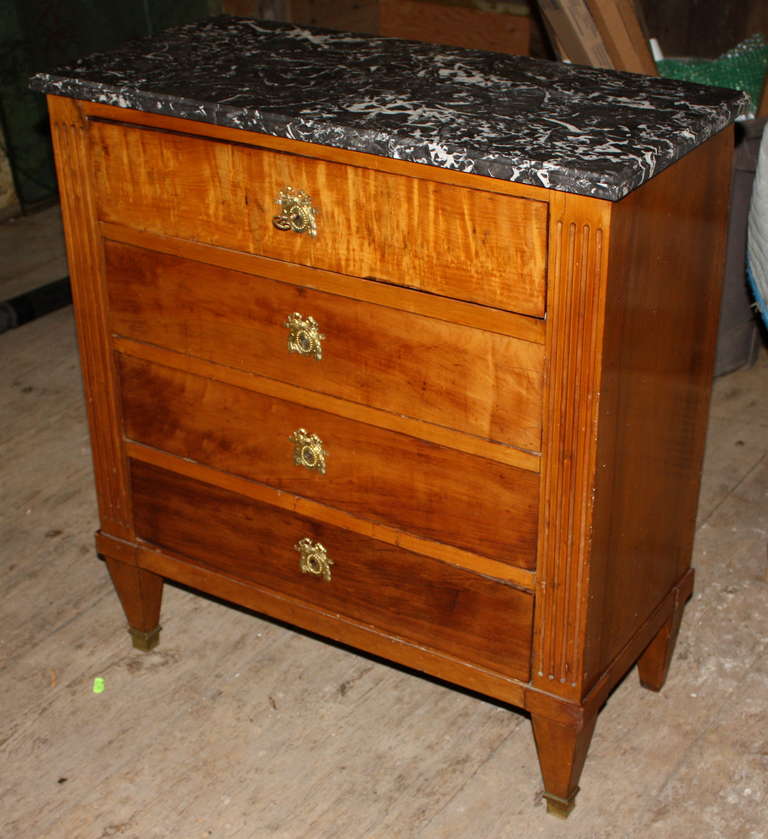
(587, 32)
(623, 36)
(575, 32)
(562, 33)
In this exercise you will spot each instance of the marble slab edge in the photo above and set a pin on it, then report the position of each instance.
(655, 123)
(550, 176)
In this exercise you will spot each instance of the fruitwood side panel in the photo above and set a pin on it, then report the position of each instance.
(578, 261)
(668, 240)
(86, 266)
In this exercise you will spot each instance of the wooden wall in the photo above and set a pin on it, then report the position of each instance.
(703, 28)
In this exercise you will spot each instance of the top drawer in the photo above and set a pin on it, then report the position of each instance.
(467, 244)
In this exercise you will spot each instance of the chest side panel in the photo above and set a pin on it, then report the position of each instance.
(661, 317)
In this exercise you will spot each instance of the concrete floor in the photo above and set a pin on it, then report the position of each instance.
(239, 727)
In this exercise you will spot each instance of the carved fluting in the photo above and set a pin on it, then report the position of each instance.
(86, 266)
(576, 300)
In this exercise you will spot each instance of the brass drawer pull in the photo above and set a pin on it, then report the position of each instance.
(296, 212)
(308, 450)
(304, 335)
(313, 558)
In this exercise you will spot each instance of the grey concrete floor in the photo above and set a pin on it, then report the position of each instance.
(239, 727)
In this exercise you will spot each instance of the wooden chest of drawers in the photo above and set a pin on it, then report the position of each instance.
(451, 420)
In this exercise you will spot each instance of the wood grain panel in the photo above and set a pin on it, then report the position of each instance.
(481, 383)
(416, 598)
(661, 317)
(462, 243)
(86, 265)
(438, 493)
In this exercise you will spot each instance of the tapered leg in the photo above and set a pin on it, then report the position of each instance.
(562, 750)
(140, 593)
(653, 664)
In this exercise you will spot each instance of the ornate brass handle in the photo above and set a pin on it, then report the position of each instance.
(314, 559)
(296, 212)
(304, 335)
(308, 450)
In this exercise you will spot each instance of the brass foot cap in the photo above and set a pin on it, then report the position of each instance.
(560, 807)
(144, 641)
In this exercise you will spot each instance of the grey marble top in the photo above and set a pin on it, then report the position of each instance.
(576, 129)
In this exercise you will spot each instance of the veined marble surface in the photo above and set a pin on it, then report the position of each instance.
(575, 129)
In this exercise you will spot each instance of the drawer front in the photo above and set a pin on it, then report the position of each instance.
(378, 475)
(416, 598)
(467, 244)
(482, 383)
